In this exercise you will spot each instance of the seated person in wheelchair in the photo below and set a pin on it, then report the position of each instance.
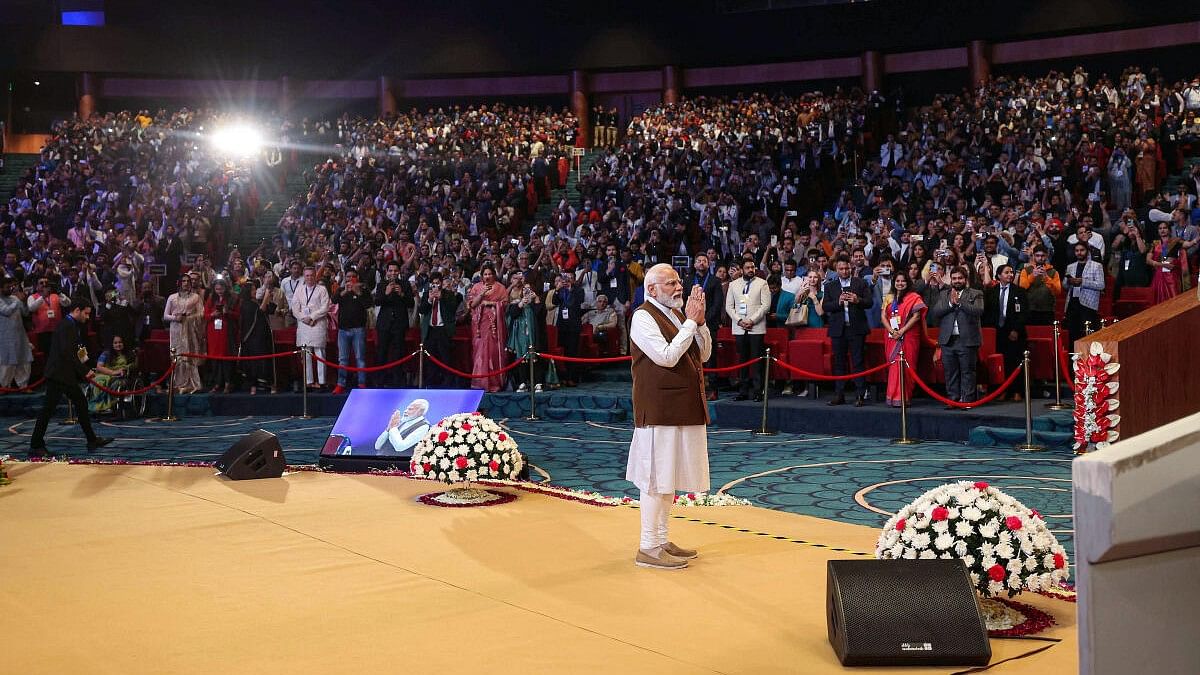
(114, 369)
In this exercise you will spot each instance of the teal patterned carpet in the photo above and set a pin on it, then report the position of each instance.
(851, 479)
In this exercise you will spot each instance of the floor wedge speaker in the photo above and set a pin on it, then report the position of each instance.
(255, 455)
(904, 613)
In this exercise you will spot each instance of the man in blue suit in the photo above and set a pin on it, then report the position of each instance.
(847, 299)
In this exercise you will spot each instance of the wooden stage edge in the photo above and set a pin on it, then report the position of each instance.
(149, 569)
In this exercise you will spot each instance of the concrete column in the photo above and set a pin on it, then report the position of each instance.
(387, 97)
(979, 61)
(672, 83)
(87, 95)
(872, 71)
(579, 105)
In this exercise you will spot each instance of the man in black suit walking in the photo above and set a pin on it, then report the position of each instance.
(394, 298)
(437, 324)
(847, 297)
(66, 368)
(708, 282)
(1005, 309)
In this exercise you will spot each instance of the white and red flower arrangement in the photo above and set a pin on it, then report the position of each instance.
(709, 499)
(1006, 545)
(4, 472)
(1095, 400)
(464, 448)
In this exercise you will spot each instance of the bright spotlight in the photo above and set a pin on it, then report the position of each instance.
(238, 141)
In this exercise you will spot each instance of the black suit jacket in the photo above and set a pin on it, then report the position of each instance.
(714, 298)
(1015, 315)
(574, 307)
(834, 316)
(62, 364)
(393, 309)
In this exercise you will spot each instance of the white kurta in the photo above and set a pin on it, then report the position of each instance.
(667, 459)
(312, 303)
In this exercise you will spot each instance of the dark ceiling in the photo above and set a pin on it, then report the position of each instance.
(366, 38)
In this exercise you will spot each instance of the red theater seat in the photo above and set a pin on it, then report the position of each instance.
(1133, 300)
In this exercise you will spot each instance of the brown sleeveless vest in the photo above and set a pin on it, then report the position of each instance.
(669, 397)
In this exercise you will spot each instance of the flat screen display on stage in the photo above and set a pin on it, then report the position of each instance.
(390, 422)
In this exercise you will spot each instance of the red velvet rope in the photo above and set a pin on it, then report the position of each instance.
(257, 357)
(133, 392)
(368, 369)
(819, 376)
(965, 406)
(21, 390)
(730, 369)
(473, 376)
(576, 359)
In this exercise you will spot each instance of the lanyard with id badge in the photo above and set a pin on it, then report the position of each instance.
(743, 309)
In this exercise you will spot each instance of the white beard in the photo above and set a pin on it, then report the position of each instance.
(668, 301)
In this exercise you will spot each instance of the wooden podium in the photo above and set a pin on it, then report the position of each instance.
(1159, 353)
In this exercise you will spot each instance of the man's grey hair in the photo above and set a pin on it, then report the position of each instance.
(418, 402)
(656, 275)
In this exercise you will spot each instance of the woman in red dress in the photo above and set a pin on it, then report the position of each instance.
(1170, 264)
(903, 319)
(221, 315)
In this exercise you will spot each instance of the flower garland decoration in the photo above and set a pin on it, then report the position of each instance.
(466, 447)
(1095, 400)
(706, 499)
(1005, 545)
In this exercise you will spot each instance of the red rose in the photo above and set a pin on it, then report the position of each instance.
(691, 495)
(1034, 513)
(466, 426)
(412, 466)
(476, 414)
(442, 437)
(494, 465)
(1059, 561)
(427, 466)
(501, 437)
(940, 513)
(461, 462)
(997, 573)
(1013, 522)
(900, 525)
(981, 485)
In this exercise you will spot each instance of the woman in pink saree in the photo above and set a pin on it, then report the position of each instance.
(487, 300)
(903, 319)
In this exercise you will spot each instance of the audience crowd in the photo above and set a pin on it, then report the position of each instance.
(1027, 199)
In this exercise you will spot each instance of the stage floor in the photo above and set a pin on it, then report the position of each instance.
(145, 569)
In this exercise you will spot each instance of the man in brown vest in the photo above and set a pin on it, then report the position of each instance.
(669, 451)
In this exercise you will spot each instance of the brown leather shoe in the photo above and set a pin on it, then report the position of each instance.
(658, 558)
(685, 553)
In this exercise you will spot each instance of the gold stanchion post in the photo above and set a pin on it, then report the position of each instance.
(71, 419)
(762, 429)
(421, 366)
(1058, 402)
(170, 416)
(904, 439)
(1028, 445)
(530, 356)
(306, 355)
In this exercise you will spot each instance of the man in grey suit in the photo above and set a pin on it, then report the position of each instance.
(957, 313)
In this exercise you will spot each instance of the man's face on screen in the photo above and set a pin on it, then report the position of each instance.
(413, 410)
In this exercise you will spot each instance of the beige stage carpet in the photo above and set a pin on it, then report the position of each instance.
(143, 569)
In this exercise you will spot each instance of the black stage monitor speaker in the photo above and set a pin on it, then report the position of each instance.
(904, 613)
(255, 455)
